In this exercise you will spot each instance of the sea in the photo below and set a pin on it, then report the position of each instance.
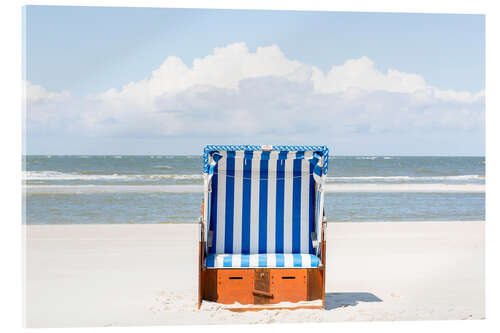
(168, 189)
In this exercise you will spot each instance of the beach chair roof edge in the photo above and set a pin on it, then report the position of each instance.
(321, 149)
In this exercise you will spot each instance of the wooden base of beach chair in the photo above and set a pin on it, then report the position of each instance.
(262, 286)
(260, 308)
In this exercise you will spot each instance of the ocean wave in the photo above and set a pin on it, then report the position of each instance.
(56, 175)
(329, 188)
(173, 176)
(90, 189)
(405, 178)
(405, 188)
(163, 167)
(374, 157)
(100, 175)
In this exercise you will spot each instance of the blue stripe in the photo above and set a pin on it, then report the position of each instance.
(245, 260)
(318, 212)
(297, 260)
(311, 207)
(317, 169)
(228, 261)
(280, 260)
(210, 262)
(213, 211)
(297, 179)
(245, 214)
(228, 241)
(318, 200)
(314, 261)
(280, 200)
(262, 260)
(263, 188)
(208, 212)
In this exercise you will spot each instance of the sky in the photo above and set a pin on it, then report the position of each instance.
(169, 81)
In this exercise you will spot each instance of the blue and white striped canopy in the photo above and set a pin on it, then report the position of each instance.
(210, 149)
(263, 201)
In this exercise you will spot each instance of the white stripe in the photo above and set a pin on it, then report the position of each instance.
(287, 225)
(271, 260)
(238, 195)
(236, 260)
(221, 203)
(273, 155)
(254, 203)
(208, 206)
(288, 260)
(205, 207)
(219, 260)
(271, 206)
(254, 260)
(306, 260)
(305, 233)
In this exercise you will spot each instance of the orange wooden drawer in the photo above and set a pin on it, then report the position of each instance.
(262, 286)
(235, 285)
(289, 285)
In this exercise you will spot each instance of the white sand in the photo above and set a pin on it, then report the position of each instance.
(116, 275)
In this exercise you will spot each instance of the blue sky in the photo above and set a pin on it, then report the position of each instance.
(76, 54)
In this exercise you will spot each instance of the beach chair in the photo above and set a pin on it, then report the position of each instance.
(262, 226)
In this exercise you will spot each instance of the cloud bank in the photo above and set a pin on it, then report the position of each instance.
(234, 95)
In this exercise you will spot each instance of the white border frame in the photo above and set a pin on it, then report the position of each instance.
(11, 88)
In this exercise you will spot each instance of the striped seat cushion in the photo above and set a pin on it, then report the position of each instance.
(262, 202)
(269, 260)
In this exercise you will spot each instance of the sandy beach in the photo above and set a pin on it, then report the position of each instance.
(137, 274)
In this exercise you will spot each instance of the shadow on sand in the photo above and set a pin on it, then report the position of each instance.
(337, 300)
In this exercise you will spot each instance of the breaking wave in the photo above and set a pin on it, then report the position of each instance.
(330, 188)
(406, 178)
(56, 175)
(91, 189)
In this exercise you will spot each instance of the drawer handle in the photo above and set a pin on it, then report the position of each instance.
(235, 278)
(288, 277)
(262, 293)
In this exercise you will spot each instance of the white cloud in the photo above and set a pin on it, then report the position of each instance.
(227, 66)
(42, 106)
(38, 95)
(234, 92)
(362, 74)
(222, 69)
